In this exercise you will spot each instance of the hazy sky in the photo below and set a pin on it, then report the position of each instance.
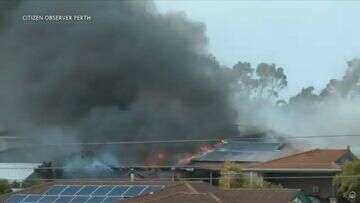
(311, 40)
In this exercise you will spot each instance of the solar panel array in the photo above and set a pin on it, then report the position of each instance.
(85, 194)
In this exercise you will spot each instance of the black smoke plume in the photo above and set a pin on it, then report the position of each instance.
(129, 73)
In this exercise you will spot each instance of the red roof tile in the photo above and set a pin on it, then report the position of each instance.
(195, 192)
(314, 159)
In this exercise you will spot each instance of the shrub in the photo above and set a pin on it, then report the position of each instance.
(233, 177)
(348, 181)
(4, 187)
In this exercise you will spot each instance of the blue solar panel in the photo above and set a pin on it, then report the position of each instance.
(32, 198)
(103, 190)
(112, 200)
(85, 193)
(118, 191)
(134, 191)
(16, 198)
(64, 199)
(48, 199)
(80, 199)
(55, 190)
(87, 190)
(95, 199)
(71, 190)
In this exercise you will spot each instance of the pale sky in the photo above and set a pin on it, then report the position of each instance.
(311, 40)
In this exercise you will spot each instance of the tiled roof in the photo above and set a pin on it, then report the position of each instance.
(204, 193)
(175, 191)
(258, 195)
(247, 151)
(314, 159)
(239, 156)
(190, 192)
(186, 197)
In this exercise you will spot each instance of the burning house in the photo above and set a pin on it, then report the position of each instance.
(246, 151)
(83, 165)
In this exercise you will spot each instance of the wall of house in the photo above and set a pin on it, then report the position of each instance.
(316, 185)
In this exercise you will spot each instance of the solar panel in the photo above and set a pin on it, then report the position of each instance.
(64, 199)
(118, 191)
(55, 190)
(47, 199)
(87, 190)
(32, 198)
(134, 191)
(112, 200)
(71, 190)
(84, 193)
(16, 198)
(95, 199)
(103, 190)
(80, 199)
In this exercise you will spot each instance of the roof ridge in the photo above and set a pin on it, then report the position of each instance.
(294, 155)
(276, 159)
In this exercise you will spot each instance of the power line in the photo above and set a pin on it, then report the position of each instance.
(223, 140)
(114, 167)
(111, 179)
(127, 142)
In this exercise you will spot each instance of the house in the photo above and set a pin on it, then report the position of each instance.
(311, 171)
(200, 192)
(245, 150)
(240, 150)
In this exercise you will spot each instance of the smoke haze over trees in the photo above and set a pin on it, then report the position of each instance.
(334, 110)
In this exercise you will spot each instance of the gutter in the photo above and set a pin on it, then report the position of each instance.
(291, 170)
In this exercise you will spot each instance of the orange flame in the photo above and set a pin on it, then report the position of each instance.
(188, 157)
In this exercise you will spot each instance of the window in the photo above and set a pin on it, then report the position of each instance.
(315, 189)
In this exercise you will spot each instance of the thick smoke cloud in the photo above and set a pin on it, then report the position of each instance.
(128, 74)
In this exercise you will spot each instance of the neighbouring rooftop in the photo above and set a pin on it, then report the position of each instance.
(155, 191)
(105, 191)
(199, 192)
(317, 159)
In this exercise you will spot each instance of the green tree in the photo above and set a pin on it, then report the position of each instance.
(244, 77)
(233, 177)
(348, 181)
(307, 100)
(272, 79)
(264, 82)
(348, 86)
(4, 187)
